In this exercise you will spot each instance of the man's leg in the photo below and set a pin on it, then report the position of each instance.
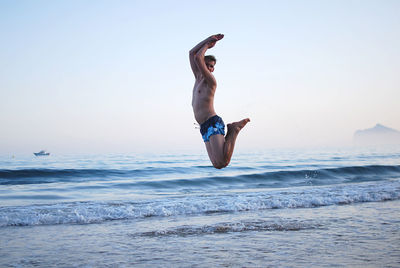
(215, 150)
(220, 148)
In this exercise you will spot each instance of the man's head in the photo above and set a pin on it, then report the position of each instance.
(210, 61)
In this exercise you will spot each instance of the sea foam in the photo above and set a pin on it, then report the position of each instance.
(198, 204)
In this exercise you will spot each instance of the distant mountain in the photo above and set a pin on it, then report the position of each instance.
(377, 135)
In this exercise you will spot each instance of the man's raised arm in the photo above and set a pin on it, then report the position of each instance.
(192, 53)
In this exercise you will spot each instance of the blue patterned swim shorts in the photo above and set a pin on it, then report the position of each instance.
(214, 125)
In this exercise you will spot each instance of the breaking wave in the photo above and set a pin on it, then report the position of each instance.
(223, 202)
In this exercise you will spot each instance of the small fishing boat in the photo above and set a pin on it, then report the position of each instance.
(41, 153)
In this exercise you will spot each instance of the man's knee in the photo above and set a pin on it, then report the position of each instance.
(220, 164)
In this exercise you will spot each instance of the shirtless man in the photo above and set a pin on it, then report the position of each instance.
(212, 128)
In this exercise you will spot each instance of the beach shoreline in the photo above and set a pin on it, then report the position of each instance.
(364, 234)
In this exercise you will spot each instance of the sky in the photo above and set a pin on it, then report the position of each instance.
(114, 76)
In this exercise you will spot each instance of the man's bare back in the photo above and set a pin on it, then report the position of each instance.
(219, 147)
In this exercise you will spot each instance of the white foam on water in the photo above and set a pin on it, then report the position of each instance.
(97, 212)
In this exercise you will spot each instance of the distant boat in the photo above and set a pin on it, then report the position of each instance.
(41, 153)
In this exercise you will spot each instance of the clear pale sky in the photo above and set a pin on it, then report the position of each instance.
(114, 76)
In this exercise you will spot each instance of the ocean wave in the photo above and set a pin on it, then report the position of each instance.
(40, 176)
(145, 177)
(97, 212)
(233, 227)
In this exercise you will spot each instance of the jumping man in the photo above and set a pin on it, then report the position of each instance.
(212, 128)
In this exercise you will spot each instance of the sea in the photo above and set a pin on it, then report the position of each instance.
(322, 207)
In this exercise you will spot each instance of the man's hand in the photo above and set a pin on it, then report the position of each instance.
(213, 39)
(217, 36)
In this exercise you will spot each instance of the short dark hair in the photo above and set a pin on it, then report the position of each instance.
(210, 58)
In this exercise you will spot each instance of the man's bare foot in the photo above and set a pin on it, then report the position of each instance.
(237, 126)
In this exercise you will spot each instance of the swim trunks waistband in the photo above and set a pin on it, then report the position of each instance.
(212, 126)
